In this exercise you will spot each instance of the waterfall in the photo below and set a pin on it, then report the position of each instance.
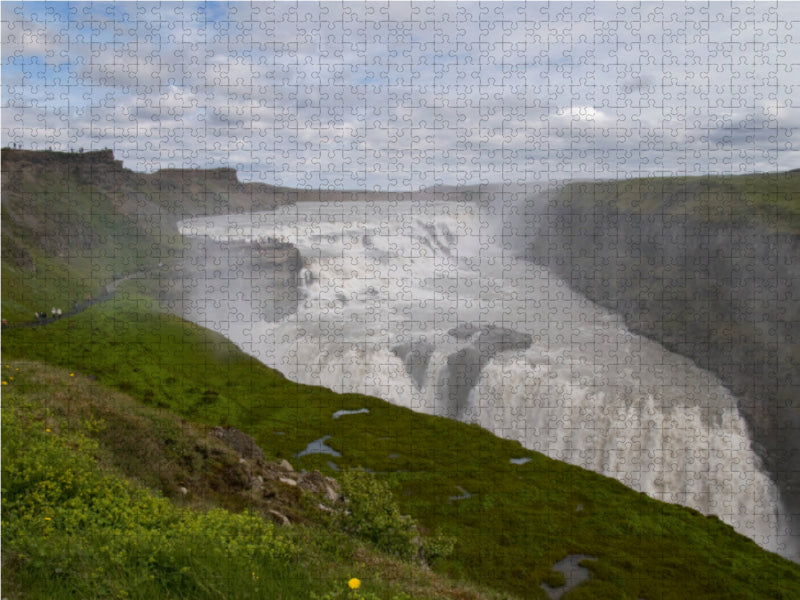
(424, 304)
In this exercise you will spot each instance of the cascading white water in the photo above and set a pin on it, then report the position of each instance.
(430, 278)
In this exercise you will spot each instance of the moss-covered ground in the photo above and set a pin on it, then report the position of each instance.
(91, 510)
(518, 520)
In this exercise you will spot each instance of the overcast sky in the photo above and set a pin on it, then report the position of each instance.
(406, 95)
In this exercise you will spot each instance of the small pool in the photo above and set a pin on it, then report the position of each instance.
(319, 447)
(342, 413)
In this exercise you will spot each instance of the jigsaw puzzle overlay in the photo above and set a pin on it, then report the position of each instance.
(545, 234)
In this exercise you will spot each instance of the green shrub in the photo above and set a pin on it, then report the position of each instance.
(372, 514)
(436, 546)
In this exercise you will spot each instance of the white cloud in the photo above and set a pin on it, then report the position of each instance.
(327, 91)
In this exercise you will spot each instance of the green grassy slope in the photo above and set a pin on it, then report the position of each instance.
(92, 509)
(519, 519)
(67, 230)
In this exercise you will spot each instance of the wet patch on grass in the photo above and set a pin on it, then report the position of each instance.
(319, 447)
(572, 575)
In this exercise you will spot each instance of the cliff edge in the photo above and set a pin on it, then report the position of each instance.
(707, 266)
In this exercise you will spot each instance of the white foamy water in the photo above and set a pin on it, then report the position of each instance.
(587, 391)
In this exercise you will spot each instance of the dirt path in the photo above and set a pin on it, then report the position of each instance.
(107, 294)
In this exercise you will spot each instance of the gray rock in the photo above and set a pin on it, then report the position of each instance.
(415, 356)
(238, 441)
(464, 332)
(282, 519)
(464, 366)
(492, 340)
(462, 373)
(313, 482)
(330, 494)
(257, 483)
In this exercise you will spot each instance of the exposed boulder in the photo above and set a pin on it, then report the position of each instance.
(239, 442)
(316, 483)
(415, 357)
(465, 365)
(492, 340)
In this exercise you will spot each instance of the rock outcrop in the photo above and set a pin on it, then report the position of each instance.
(464, 366)
(239, 442)
(272, 486)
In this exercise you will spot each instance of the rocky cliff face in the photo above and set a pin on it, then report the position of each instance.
(154, 199)
(711, 269)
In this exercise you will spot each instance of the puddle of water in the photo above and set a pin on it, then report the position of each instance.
(319, 447)
(519, 461)
(573, 573)
(394, 455)
(464, 494)
(333, 465)
(341, 413)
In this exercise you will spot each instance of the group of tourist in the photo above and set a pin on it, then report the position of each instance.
(55, 313)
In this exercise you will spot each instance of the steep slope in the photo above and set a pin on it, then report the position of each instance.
(106, 497)
(513, 520)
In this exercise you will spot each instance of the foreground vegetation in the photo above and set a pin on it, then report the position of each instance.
(516, 523)
(79, 521)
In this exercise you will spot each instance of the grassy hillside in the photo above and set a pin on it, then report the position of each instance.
(69, 226)
(518, 519)
(92, 509)
(112, 486)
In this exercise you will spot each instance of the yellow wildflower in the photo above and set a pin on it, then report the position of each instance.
(354, 583)
(47, 519)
